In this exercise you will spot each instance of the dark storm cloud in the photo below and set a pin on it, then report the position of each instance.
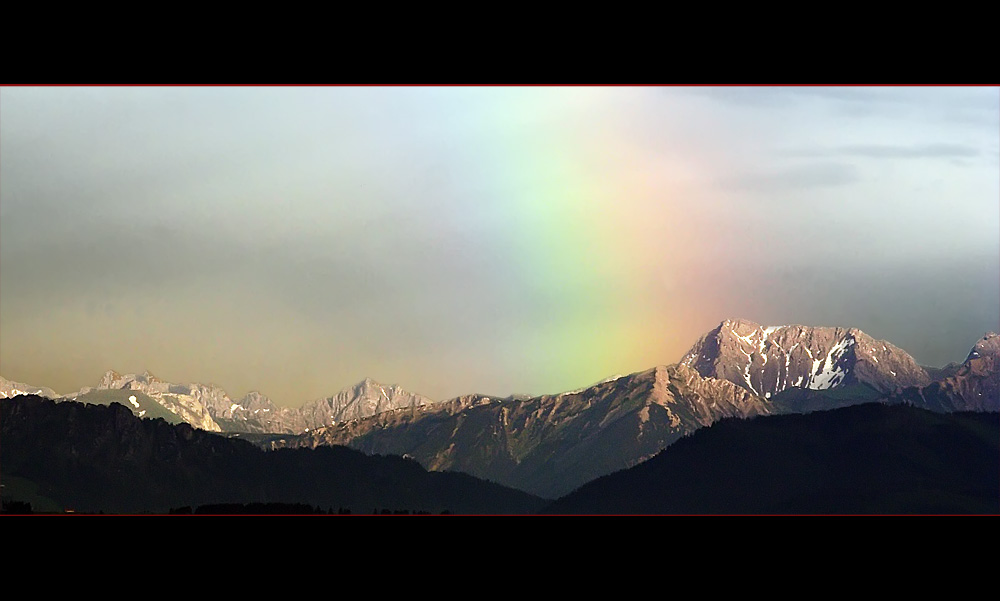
(975, 106)
(933, 309)
(890, 151)
(925, 151)
(110, 257)
(781, 96)
(815, 175)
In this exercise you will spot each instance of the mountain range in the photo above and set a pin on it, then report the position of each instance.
(550, 445)
(209, 407)
(869, 458)
(769, 360)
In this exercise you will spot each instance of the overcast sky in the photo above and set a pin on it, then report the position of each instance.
(481, 239)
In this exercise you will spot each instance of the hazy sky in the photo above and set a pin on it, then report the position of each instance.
(481, 239)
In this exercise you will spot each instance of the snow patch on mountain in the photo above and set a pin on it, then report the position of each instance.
(831, 374)
(771, 359)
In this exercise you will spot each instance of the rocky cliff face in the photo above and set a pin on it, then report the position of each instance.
(256, 413)
(551, 444)
(365, 399)
(768, 360)
(975, 386)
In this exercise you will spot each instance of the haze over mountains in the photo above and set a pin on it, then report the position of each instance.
(210, 408)
(551, 444)
(764, 360)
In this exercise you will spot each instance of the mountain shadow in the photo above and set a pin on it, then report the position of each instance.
(864, 459)
(103, 458)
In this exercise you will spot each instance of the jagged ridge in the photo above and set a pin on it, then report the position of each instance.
(551, 444)
(209, 407)
(768, 360)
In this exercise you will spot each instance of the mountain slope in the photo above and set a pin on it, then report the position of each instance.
(871, 458)
(139, 403)
(768, 360)
(551, 444)
(364, 399)
(190, 402)
(974, 386)
(95, 457)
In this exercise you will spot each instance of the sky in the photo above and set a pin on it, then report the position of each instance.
(495, 240)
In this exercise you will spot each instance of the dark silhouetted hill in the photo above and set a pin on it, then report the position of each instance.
(103, 458)
(871, 458)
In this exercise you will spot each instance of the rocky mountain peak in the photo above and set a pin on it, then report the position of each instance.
(252, 404)
(988, 345)
(112, 380)
(974, 386)
(366, 399)
(768, 360)
(368, 383)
